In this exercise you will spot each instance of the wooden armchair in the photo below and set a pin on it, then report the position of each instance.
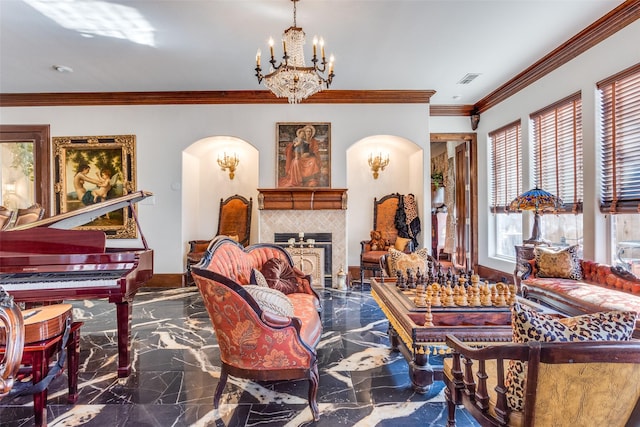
(568, 384)
(6, 217)
(384, 215)
(234, 220)
(28, 215)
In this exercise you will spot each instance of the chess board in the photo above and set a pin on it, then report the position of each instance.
(478, 297)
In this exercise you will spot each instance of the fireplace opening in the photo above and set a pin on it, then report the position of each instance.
(322, 240)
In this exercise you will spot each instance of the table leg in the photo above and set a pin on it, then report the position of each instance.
(421, 373)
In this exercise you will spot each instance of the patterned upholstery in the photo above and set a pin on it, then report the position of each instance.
(255, 343)
(529, 325)
(601, 289)
(568, 383)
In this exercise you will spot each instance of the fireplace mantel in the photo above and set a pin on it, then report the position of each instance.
(302, 199)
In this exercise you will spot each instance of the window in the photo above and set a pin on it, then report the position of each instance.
(620, 158)
(506, 185)
(558, 166)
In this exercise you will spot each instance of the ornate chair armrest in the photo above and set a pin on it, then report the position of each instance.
(365, 246)
(198, 245)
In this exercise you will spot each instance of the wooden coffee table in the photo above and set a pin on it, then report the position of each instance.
(409, 335)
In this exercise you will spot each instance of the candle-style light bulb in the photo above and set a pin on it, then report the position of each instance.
(258, 54)
(271, 46)
(322, 46)
(315, 45)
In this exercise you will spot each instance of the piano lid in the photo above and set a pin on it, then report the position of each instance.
(85, 215)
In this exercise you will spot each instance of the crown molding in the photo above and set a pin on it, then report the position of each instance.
(210, 97)
(609, 24)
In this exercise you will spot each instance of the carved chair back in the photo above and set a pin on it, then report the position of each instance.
(28, 215)
(384, 216)
(234, 219)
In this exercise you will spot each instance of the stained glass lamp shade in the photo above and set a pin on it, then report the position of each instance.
(536, 200)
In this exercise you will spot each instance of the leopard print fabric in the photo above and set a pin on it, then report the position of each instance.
(529, 325)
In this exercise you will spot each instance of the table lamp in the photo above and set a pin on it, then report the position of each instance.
(535, 200)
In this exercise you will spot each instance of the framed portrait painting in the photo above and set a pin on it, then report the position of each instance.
(303, 155)
(92, 169)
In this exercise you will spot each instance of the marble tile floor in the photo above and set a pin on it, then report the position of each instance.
(175, 372)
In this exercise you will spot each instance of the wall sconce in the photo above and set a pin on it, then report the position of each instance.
(230, 163)
(10, 187)
(378, 163)
(475, 118)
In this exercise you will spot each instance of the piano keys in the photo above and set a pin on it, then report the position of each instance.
(48, 261)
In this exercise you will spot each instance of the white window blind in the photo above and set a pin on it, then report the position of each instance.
(506, 163)
(620, 133)
(557, 149)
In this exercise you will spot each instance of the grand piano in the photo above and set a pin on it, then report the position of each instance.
(48, 261)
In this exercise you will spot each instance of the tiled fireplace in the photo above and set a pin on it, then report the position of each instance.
(309, 213)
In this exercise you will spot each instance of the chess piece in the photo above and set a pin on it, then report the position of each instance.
(420, 300)
(463, 300)
(435, 299)
(400, 283)
(411, 279)
(428, 317)
(448, 293)
(475, 288)
(494, 294)
(486, 295)
(500, 301)
(512, 294)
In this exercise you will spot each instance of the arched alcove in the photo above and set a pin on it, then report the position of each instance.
(204, 184)
(404, 174)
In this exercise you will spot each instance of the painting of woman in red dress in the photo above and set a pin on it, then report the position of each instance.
(305, 159)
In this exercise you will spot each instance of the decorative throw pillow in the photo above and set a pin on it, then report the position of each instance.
(563, 263)
(530, 325)
(280, 275)
(271, 300)
(257, 278)
(401, 243)
(400, 261)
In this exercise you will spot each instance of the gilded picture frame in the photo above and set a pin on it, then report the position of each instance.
(303, 155)
(91, 169)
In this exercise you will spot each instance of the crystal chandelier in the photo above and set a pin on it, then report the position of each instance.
(291, 78)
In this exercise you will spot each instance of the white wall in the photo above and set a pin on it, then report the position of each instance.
(164, 133)
(616, 53)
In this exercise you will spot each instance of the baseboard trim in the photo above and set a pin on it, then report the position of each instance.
(165, 281)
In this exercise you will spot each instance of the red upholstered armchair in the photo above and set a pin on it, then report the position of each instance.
(263, 334)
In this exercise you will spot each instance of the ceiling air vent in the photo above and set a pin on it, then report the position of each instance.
(468, 78)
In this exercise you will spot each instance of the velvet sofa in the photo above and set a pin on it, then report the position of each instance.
(581, 286)
(267, 323)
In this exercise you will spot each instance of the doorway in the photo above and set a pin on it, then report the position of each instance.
(460, 181)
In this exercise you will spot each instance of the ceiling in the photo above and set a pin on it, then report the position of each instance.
(210, 45)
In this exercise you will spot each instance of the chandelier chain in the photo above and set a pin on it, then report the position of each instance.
(294, 13)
